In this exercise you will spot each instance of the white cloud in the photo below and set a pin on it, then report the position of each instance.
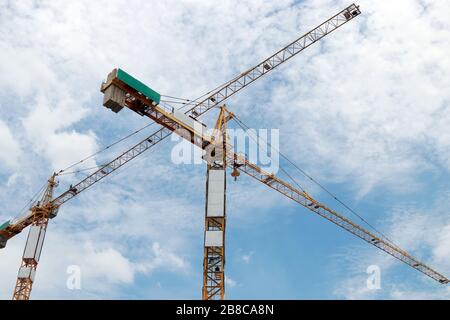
(441, 252)
(9, 146)
(103, 268)
(230, 282)
(355, 289)
(162, 259)
(371, 110)
(247, 257)
(372, 106)
(422, 232)
(401, 293)
(109, 264)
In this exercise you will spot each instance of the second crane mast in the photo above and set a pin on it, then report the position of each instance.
(215, 210)
(41, 212)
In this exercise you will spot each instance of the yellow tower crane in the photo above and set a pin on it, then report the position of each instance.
(122, 90)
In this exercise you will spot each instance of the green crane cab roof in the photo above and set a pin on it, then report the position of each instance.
(5, 225)
(138, 85)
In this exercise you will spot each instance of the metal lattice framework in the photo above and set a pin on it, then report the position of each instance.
(215, 218)
(214, 99)
(214, 263)
(41, 216)
(275, 60)
(113, 165)
(161, 116)
(213, 279)
(156, 113)
(313, 205)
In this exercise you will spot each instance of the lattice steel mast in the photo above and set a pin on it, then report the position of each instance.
(215, 212)
(41, 212)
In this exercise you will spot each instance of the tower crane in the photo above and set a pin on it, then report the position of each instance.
(122, 90)
(223, 156)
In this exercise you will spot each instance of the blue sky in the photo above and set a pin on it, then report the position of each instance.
(365, 112)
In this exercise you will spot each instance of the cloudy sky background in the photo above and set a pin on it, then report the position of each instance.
(366, 112)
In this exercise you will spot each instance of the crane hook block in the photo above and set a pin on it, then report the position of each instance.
(235, 173)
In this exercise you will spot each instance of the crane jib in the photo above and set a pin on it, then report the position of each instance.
(218, 96)
(278, 58)
(122, 90)
(137, 96)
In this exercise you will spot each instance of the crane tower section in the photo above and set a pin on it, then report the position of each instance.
(42, 212)
(215, 213)
(214, 238)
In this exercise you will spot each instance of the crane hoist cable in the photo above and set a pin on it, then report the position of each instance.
(292, 179)
(194, 102)
(29, 204)
(176, 98)
(107, 147)
(189, 103)
(139, 130)
(176, 102)
(80, 170)
(63, 171)
(33, 199)
(245, 127)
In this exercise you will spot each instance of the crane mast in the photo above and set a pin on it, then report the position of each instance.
(215, 212)
(42, 212)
